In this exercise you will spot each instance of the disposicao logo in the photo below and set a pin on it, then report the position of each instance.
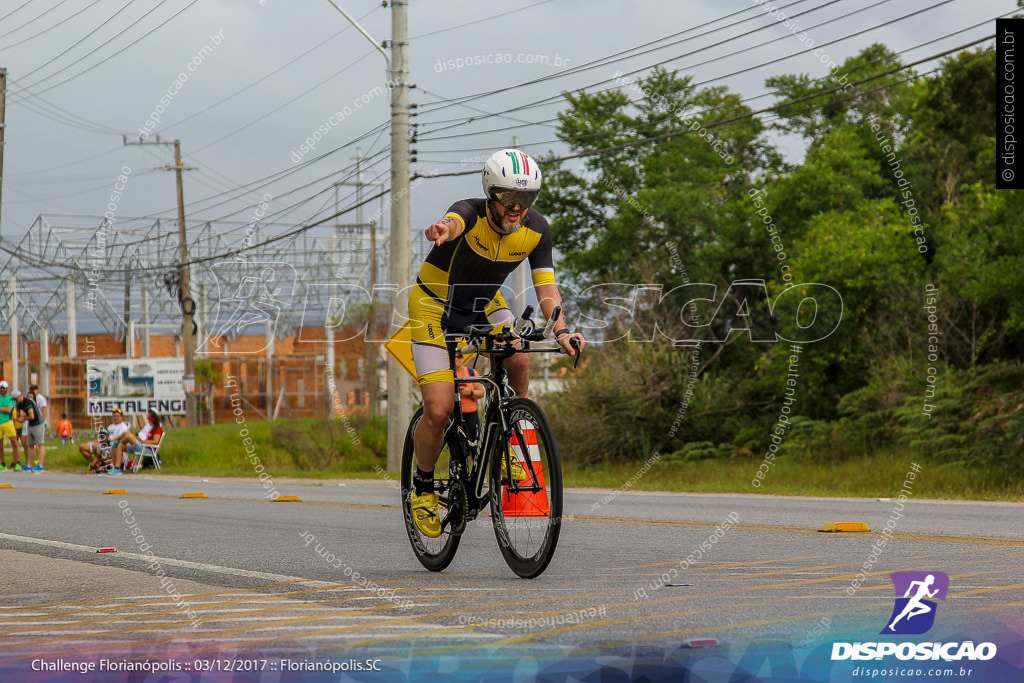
(914, 613)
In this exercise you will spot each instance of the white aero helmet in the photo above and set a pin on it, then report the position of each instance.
(511, 177)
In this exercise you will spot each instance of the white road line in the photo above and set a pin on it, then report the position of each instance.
(231, 571)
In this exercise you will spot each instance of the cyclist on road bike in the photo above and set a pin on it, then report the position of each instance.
(477, 244)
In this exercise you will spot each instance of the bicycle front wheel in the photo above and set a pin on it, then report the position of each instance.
(527, 514)
(433, 553)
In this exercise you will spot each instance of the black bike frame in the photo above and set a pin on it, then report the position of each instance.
(493, 427)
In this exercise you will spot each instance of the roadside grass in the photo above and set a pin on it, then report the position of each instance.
(307, 448)
(322, 449)
(878, 476)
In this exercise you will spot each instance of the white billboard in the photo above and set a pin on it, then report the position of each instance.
(136, 385)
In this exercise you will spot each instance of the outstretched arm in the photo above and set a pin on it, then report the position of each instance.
(445, 230)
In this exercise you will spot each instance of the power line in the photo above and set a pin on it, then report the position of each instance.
(16, 9)
(263, 79)
(717, 78)
(732, 119)
(628, 145)
(615, 57)
(605, 61)
(115, 54)
(740, 51)
(744, 100)
(480, 21)
(266, 180)
(38, 16)
(286, 104)
(49, 28)
(278, 214)
(79, 42)
(483, 111)
(304, 228)
(63, 116)
(80, 192)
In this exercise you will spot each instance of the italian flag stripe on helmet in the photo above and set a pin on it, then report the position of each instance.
(519, 160)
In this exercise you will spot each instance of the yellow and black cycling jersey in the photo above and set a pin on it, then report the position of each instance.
(464, 274)
(459, 281)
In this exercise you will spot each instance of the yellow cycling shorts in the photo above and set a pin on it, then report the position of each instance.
(429, 348)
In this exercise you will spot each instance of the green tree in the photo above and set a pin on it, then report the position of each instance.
(951, 142)
(614, 213)
(208, 376)
(814, 107)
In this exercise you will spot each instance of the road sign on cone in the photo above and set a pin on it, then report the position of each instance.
(526, 503)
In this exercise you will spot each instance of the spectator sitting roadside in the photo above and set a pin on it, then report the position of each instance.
(65, 430)
(94, 451)
(149, 435)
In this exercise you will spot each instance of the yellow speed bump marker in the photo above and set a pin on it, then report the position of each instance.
(6, 486)
(845, 526)
(193, 495)
(110, 492)
(287, 499)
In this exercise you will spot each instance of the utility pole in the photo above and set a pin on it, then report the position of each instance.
(370, 343)
(399, 383)
(3, 124)
(188, 340)
(12, 326)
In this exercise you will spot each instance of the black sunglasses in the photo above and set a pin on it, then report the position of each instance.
(509, 198)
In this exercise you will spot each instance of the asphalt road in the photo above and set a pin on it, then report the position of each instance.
(249, 578)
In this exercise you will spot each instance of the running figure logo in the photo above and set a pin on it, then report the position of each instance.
(913, 614)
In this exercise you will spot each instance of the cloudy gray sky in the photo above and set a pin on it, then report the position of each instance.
(83, 72)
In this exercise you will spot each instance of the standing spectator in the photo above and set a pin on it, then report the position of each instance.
(36, 431)
(93, 451)
(8, 409)
(21, 426)
(65, 430)
(149, 435)
(39, 400)
(41, 403)
(18, 420)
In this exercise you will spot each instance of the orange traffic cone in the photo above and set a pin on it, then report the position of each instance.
(527, 503)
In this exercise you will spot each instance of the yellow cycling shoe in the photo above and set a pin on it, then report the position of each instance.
(518, 473)
(424, 514)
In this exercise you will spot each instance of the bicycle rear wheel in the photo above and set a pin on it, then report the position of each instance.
(433, 553)
(527, 521)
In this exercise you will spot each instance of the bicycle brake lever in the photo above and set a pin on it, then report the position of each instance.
(575, 344)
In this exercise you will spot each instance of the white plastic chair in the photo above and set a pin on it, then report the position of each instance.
(149, 450)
